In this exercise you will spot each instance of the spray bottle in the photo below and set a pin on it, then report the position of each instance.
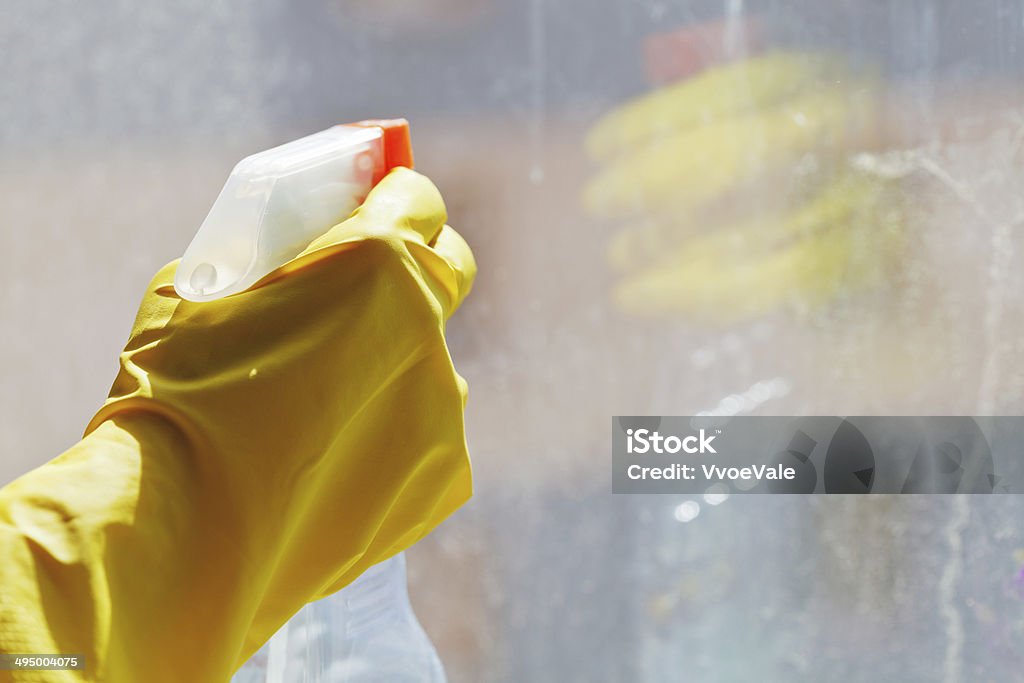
(273, 205)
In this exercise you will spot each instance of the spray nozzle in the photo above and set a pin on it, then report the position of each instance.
(278, 201)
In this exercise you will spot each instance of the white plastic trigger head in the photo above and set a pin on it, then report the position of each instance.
(274, 204)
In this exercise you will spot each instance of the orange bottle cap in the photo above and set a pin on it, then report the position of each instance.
(397, 141)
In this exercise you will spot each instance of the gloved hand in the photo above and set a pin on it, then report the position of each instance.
(256, 453)
(735, 190)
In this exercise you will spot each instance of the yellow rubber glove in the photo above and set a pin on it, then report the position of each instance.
(256, 453)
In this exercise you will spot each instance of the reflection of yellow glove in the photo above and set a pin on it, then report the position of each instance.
(716, 95)
(746, 154)
(799, 258)
(257, 452)
(686, 170)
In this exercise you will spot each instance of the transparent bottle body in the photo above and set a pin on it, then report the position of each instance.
(365, 633)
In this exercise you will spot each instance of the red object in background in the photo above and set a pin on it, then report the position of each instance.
(683, 52)
(397, 143)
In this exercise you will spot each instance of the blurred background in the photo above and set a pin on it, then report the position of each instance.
(776, 207)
